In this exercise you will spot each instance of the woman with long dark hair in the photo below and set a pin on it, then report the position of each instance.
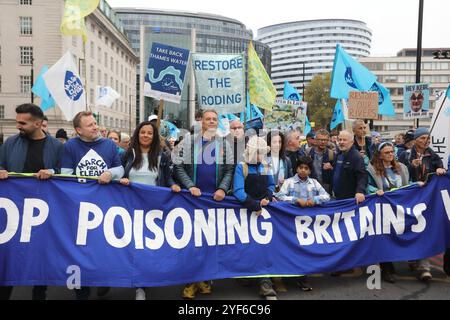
(385, 174)
(146, 163)
(279, 163)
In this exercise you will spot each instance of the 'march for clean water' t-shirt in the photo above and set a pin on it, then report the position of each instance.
(90, 159)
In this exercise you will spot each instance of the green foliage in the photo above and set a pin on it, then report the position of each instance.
(320, 104)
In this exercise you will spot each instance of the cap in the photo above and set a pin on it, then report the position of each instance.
(421, 132)
(375, 134)
(409, 136)
(257, 143)
(153, 117)
(61, 133)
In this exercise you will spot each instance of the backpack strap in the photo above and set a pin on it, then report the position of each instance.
(245, 170)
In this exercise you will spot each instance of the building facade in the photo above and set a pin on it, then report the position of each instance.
(30, 38)
(303, 49)
(396, 72)
(213, 34)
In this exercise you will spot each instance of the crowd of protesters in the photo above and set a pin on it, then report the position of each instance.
(257, 168)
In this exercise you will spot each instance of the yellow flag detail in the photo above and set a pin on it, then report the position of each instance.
(261, 89)
(74, 13)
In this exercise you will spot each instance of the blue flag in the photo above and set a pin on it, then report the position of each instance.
(338, 115)
(349, 75)
(173, 130)
(308, 127)
(385, 106)
(448, 92)
(40, 89)
(252, 111)
(290, 93)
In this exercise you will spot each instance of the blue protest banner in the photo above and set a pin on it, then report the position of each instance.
(220, 82)
(166, 71)
(141, 236)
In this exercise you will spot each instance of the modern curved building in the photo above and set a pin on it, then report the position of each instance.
(303, 49)
(213, 34)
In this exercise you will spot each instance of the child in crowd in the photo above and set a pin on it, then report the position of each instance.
(305, 192)
(301, 189)
(254, 187)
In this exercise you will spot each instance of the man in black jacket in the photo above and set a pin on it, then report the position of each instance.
(349, 176)
(31, 151)
(422, 161)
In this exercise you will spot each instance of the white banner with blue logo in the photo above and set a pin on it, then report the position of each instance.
(65, 85)
(220, 82)
(142, 236)
(166, 71)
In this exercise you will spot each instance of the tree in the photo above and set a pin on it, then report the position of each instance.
(320, 104)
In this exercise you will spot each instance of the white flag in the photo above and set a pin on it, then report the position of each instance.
(65, 86)
(440, 137)
(105, 96)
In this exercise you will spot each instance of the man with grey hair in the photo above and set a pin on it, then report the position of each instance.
(349, 177)
(237, 140)
(293, 146)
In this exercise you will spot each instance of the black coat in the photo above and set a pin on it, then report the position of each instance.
(353, 178)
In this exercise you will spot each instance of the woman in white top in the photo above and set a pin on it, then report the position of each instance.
(146, 163)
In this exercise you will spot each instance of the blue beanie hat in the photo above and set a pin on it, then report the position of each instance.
(421, 132)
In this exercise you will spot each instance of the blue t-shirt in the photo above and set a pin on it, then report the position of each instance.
(206, 167)
(90, 159)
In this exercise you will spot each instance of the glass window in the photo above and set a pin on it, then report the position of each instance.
(26, 55)
(92, 73)
(26, 2)
(92, 50)
(91, 96)
(2, 112)
(106, 60)
(25, 84)
(26, 25)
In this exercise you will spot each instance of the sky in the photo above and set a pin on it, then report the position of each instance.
(394, 23)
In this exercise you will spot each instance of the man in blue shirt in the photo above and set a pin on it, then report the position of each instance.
(204, 164)
(91, 155)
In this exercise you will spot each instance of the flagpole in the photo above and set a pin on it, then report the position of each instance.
(419, 49)
(85, 74)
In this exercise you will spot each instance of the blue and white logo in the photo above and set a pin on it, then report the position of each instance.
(294, 97)
(73, 86)
(349, 78)
(376, 88)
